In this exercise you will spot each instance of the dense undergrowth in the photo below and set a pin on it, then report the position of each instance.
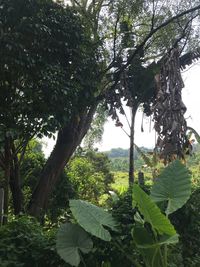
(26, 243)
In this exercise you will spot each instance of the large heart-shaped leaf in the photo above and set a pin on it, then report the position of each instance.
(93, 218)
(152, 213)
(173, 186)
(71, 240)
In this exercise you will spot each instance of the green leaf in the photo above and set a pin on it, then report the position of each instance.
(173, 186)
(152, 213)
(144, 239)
(93, 218)
(71, 239)
(146, 246)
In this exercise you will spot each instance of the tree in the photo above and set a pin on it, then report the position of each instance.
(45, 53)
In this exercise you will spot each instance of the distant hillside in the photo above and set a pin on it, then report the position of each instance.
(119, 158)
(124, 153)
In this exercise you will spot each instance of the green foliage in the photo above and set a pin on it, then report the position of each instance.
(124, 153)
(93, 219)
(71, 239)
(173, 186)
(96, 130)
(24, 243)
(90, 175)
(120, 184)
(30, 170)
(151, 212)
(45, 51)
(120, 158)
(123, 213)
(117, 153)
(187, 223)
(119, 164)
(162, 232)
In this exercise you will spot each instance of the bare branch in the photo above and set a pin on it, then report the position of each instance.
(115, 37)
(153, 16)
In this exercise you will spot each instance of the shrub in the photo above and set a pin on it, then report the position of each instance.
(187, 223)
(23, 243)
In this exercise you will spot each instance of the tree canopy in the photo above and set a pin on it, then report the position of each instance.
(45, 53)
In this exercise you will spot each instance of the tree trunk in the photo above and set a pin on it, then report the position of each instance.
(67, 141)
(1, 205)
(131, 152)
(6, 178)
(15, 185)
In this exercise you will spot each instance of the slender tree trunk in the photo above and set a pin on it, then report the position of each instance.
(15, 185)
(1, 205)
(131, 152)
(67, 141)
(6, 178)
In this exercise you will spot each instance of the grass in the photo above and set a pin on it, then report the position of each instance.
(120, 183)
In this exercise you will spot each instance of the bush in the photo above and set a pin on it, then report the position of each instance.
(118, 251)
(23, 243)
(90, 176)
(187, 223)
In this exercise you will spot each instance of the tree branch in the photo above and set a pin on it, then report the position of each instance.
(149, 35)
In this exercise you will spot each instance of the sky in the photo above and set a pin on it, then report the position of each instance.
(114, 137)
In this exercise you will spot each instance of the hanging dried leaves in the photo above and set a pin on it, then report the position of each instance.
(169, 109)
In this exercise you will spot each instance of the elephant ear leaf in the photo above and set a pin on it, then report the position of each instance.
(71, 241)
(152, 213)
(173, 186)
(93, 219)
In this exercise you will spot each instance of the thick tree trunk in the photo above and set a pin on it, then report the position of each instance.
(68, 140)
(131, 152)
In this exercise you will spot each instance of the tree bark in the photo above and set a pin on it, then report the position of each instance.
(1, 205)
(131, 152)
(6, 178)
(67, 141)
(15, 183)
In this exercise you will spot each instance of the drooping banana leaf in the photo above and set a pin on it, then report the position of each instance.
(93, 218)
(71, 241)
(173, 185)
